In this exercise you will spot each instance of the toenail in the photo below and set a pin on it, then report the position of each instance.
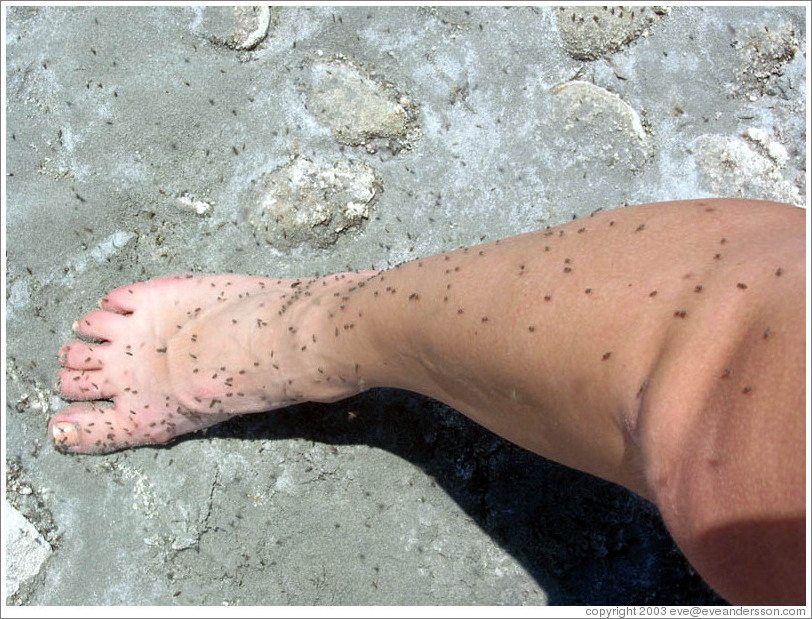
(64, 433)
(75, 326)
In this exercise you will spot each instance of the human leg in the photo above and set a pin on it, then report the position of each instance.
(604, 344)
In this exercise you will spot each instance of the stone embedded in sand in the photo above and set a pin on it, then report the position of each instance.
(308, 202)
(764, 52)
(235, 27)
(599, 125)
(595, 32)
(359, 110)
(26, 550)
(187, 202)
(731, 167)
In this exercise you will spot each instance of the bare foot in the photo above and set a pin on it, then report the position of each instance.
(176, 355)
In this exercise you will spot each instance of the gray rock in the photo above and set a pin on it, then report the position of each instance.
(763, 52)
(312, 202)
(236, 27)
(359, 110)
(590, 33)
(598, 125)
(733, 167)
(26, 550)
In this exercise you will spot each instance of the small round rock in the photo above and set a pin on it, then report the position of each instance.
(311, 202)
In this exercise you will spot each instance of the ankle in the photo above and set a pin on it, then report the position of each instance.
(331, 325)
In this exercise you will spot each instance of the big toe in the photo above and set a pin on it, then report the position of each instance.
(89, 428)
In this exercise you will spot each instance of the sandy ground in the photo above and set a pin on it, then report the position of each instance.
(300, 141)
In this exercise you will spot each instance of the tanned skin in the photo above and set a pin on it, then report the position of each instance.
(661, 347)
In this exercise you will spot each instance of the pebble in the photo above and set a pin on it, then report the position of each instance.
(359, 110)
(590, 33)
(236, 27)
(111, 245)
(733, 167)
(309, 202)
(187, 202)
(26, 550)
(764, 52)
(601, 125)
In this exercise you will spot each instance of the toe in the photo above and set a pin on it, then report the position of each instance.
(84, 385)
(81, 356)
(89, 428)
(127, 299)
(101, 325)
(122, 300)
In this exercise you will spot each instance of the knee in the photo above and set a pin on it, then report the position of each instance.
(747, 543)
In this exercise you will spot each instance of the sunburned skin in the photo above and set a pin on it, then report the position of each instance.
(661, 347)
